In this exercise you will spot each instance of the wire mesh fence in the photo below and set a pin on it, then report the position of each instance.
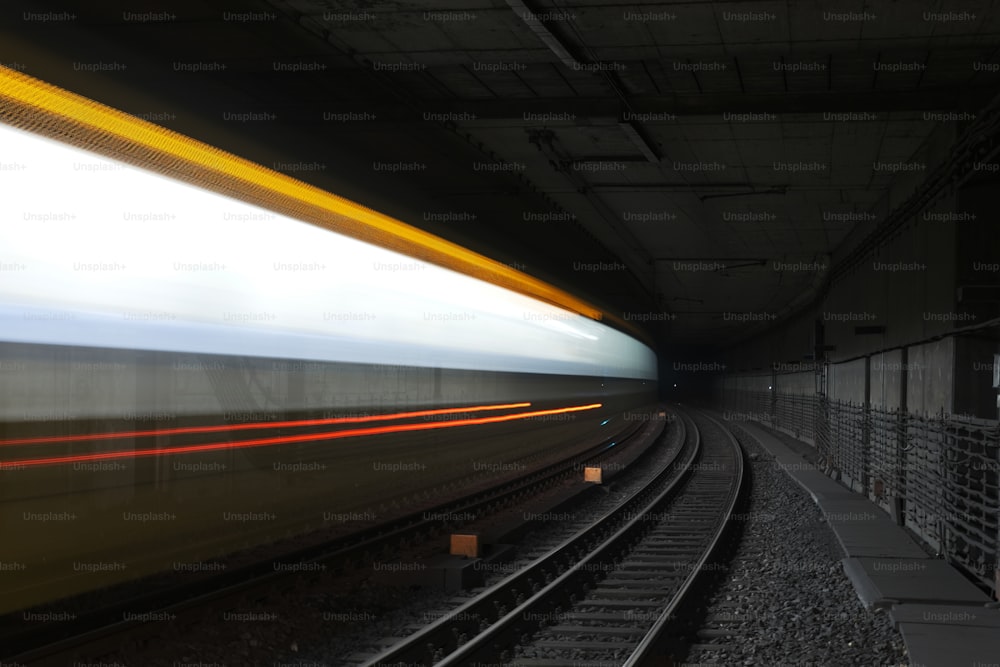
(938, 474)
(797, 414)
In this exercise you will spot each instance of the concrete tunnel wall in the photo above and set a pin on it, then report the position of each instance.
(902, 398)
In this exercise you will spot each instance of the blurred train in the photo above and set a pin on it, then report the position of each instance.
(199, 355)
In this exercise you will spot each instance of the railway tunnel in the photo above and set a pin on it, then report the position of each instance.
(323, 322)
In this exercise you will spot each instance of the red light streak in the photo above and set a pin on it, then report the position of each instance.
(306, 437)
(256, 425)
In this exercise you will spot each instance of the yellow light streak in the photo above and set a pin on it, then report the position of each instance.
(41, 107)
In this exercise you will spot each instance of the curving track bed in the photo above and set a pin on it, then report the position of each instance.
(609, 593)
(98, 625)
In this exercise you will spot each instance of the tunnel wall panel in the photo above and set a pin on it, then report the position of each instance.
(899, 441)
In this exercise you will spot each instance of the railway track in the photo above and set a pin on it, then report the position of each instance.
(609, 593)
(99, 628)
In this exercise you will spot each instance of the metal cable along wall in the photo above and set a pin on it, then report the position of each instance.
(887, 439)
(938, 474)
(796, 413)
(844, 432)
(969, 498)
(741, 405)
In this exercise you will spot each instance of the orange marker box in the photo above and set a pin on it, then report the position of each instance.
(465, 545)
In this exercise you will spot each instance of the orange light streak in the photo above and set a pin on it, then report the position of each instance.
(256, 425)
(307, 437)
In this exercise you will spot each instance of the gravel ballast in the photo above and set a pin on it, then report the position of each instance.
(786, 599)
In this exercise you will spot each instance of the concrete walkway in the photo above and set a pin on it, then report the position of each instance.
(944, 619)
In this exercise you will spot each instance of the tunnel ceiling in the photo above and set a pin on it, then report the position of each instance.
(685, 158)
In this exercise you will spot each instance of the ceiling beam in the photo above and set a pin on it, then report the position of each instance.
(654, 109)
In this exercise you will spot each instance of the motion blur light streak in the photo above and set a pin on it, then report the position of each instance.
(257, 425)
(256, 284)
(309, 437)
(33, 98)
(218, 324)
